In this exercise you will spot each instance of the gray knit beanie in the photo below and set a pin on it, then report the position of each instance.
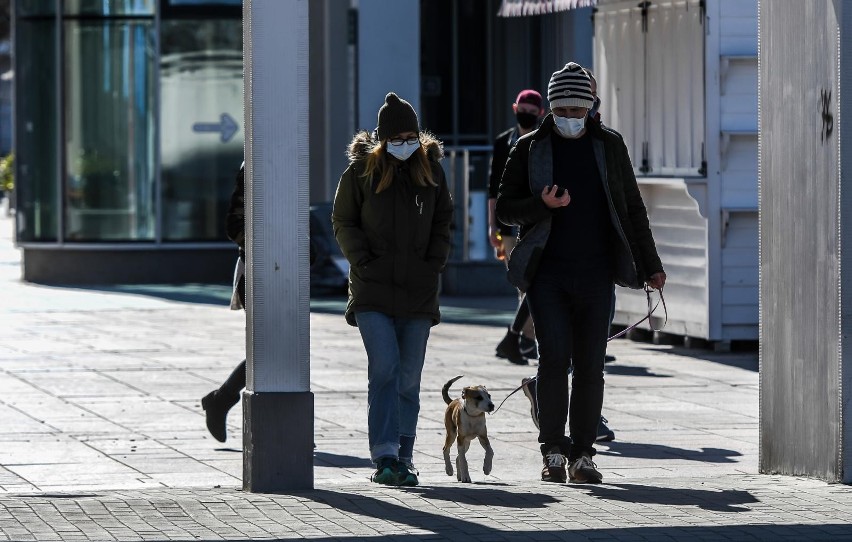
(570, 86)
(395, 117)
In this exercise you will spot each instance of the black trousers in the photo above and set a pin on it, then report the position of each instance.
(572, 316)
(236, 381)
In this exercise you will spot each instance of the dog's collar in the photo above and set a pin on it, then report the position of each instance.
(464, 407)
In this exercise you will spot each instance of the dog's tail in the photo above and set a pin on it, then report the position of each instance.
(445, 390)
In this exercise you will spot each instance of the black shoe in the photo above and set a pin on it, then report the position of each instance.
(528, 347)
(584, 471)
(554, 467)
(608, 358)
(216, 406)
(528, 386)
(605, 434)
(509, 349)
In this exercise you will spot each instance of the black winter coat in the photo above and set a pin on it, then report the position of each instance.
(500, 154)
(397, 241)
(530, 169)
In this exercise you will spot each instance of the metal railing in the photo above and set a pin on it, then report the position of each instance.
(458, 169)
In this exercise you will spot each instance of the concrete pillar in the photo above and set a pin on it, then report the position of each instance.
(805, 187)
(277, 404)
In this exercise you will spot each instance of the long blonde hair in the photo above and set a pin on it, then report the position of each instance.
(378, 160)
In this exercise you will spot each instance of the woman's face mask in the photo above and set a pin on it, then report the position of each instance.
(405, 148)
(568, 127)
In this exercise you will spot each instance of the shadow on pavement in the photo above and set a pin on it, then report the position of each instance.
(624, 370)
(485, 311)
(466, 517)
(227, 449)
(659, 451)
(442, 527)
(716, 501)
(206, 294)
(484, 494)
(325, 459)
(741, 360)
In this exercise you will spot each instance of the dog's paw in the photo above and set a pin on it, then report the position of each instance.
(449, 470)
(486, 466)
(465, 479)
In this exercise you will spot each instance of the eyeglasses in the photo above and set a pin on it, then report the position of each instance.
(400, 142)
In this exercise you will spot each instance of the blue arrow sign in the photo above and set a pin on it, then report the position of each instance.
(226, 127)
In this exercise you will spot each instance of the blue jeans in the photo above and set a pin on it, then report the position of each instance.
(572, 315)
(396, 348)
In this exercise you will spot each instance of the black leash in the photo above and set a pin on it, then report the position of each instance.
(651, 310)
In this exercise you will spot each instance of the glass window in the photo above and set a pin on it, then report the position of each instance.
(436, 68)
(36, 131)
(112, 7)
(201, 9)
(201, 117)
(472, 71)
(109, 130)
(205, 2)
(35, 7)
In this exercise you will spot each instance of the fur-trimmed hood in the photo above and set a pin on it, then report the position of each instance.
(364, 142)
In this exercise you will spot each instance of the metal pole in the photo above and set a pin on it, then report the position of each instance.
(278, 407)
(465, 200)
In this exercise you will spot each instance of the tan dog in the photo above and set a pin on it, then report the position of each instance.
(465, 421)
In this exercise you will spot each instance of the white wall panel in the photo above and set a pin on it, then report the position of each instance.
(675, 88)
(738, 100)
(680, 233)
(738, 179)
(620, 72)
(738, 27)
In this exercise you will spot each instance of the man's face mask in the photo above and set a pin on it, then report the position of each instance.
(568, 127)
(402, 148)
(526, 120)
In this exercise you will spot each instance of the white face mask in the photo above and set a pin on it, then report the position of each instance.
(569, 127)
(402, 151)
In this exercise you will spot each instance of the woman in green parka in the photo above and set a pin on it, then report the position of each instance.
(391, 217)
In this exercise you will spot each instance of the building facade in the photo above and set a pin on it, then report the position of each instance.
(128, 114)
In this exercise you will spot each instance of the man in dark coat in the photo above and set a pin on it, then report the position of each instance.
(518, 344)
(570, 188)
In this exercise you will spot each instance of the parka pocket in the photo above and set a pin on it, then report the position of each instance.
(422, 286)
(377, 270)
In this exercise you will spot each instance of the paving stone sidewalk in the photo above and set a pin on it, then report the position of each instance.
(104, 438)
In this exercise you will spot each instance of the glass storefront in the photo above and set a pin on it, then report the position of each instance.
(109, 130)
(128, 119)
(201, 116)
(37, 126)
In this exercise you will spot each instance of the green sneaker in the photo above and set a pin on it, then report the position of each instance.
(407, 475)
(387, 472)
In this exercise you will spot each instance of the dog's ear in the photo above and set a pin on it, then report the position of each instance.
(466, 391)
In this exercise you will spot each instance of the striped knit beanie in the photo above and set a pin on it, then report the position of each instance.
(570, 86)
(395, 117)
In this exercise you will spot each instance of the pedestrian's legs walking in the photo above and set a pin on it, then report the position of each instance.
(593, 302)
(217, 403)
(395, 350)
(551, 308)
(412, 335)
